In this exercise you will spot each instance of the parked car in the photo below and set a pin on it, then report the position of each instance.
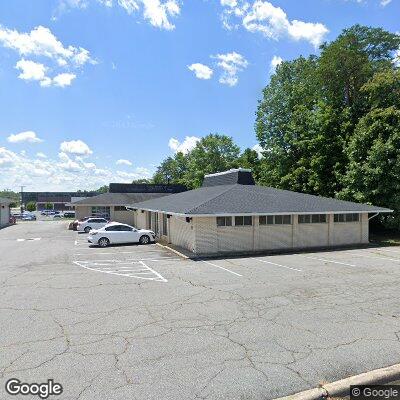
(91, 223)
(47, 212)
(27, 216)
(74, 224)
(116, 232)
(69, 214)
(57, 216)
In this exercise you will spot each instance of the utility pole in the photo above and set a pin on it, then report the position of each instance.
(22, 199)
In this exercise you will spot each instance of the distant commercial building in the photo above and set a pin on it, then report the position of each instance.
(59, 200)
(4, 211)
(112, 205)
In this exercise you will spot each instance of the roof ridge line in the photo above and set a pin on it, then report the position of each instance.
(213, 198)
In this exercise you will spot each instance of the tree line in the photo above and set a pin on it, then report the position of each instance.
(328, 125)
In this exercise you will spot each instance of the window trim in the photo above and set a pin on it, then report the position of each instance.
(243, 217)
(273, 217)
(345, 216)
(225, 218)
(311, 217)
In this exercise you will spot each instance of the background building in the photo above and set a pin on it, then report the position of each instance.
(112, 205)
(4, 211)
(59, 200)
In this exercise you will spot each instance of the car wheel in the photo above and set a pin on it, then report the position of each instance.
(144, 239)
(87, 229)
(103, 242)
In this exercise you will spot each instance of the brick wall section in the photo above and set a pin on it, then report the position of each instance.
(203, 237)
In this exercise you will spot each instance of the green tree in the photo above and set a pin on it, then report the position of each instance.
(348, 62)
(374, 170)
(213, 153)
(141, 181)
(49, 206)
(31, 206)
(251, 160)
(102, 189)
(311, 107)
(9, 194)
(172, 170)
(373, 174)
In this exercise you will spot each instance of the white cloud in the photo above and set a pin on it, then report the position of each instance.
(65, 172)
(396, 60)
(64, 79)
(75, 147)
(184, 147)
(123, 162)
(31, 70)
(41, 155)
(258, 149)
(276, 60)
(384, 3)
(231, 64)
(41, 43)
(271, 21)
(201, 71)
(27, 136)
(157, 12)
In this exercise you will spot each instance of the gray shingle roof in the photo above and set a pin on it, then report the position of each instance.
(249, 199)
(117, 199)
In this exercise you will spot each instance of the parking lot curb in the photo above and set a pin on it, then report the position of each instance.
(342, 387)
(173, 250)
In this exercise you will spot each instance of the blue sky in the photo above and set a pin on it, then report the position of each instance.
(99, 91)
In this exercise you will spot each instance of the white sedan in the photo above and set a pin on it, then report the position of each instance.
(91, 223)
(116, 232)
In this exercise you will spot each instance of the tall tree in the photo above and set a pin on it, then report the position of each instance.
(311, 107)
(373, 174)
(213, 153)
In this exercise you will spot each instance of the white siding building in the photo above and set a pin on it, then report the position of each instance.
(230, 214)
(4, 212)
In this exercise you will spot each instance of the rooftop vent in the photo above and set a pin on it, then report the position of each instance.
(239, 176)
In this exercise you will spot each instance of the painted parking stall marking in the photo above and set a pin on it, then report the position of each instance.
(218, 266)
(130, 269)
(327, 260)
(29, 239)
(275, 264)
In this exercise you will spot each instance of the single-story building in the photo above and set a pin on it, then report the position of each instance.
(230, 214)
(4, 211)
(112, 205)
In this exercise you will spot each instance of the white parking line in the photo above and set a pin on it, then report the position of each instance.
(95, 253)
(138, 270)
(130, 260)
(218, 266)
(373, 256)
(278, 265)
(328, 261)
(390, 251)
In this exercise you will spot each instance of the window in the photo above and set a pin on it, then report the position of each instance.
(119, 228)
(103, 212)
(224, 221)
(346, 217)
(243, 221)
(120, 208)
(312, 219)
(275, 220)
(165, 224)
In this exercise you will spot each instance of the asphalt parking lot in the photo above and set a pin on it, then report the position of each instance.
(139, 322)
